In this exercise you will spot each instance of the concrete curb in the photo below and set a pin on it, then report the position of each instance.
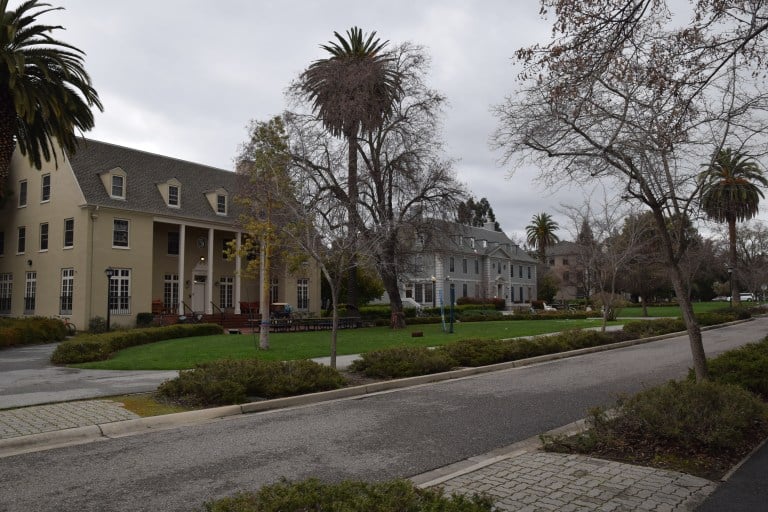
(79, 435)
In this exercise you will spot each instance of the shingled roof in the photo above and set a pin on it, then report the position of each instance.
(143, 172)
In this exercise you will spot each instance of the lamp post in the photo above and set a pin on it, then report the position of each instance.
(109, 272)
(434, 282)
(452, 297)
(730, 284)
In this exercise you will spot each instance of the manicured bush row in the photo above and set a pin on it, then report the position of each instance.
(684, 419)
(397, 362)
(28, 331)
(97, 347)
(388, 496)
(746, 367)
(229, 381)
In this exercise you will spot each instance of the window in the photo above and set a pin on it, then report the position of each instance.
(221, 204)
(69, 232)
(173, 195)
(522, 299)
(44, 236)
(45, 191)
(120, 292)
(226, 292)
(498, 268)
(464, 290)
(464, 265)
(419, 292)
(120, 233)
(529, 271)
(30, 291)
(419, 264)
(274, 289)
(2, 243)
(477, 266)
(477, 290)
(23, 193)
(6, 289)
(173, 243)
(520, 273)
(118, 187)
(302, 294)
(170, 291)
(565, 261)
(567, 277)
(428, 295)
(67, 291)
(451, 265)
(409, 291)
(21, 246)
(552, 262)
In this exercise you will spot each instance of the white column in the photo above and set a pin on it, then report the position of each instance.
(182, 250)
(237, 272)
(209, 280)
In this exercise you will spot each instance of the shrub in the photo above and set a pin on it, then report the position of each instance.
(683, 418)
(399, 362)
(230, 381)
(28, 331)
(97, 325)
(98, 347)
(144, 319)
(648, 328)
(746, 367)
(389, 496)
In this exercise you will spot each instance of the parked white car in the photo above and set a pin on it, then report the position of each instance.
(547, 307)
(746, 297)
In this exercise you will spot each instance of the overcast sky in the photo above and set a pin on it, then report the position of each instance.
(183, 77)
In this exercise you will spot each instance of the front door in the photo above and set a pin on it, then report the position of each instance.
(198, 293)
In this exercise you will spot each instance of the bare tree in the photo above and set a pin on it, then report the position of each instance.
(290, 208)
(614, 242)
(403, 178)
(623, 94)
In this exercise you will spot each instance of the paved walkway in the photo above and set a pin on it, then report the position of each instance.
(539, 481)
(48, 418)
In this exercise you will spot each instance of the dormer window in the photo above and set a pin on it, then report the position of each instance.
(219, 200)
(173, 195)
(117, 190)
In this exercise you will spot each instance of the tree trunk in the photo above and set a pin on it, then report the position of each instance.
(334, 324)
(733, 275)
(397, 320)
(676, 276)
(692, 325)
(352, 193)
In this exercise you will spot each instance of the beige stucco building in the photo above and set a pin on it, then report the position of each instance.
(161, 225)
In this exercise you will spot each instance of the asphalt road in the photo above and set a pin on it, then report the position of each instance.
(395, 434)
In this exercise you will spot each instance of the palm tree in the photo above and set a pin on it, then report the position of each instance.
(45, 93)
(353, 91)
(729, 193)
(541, 234)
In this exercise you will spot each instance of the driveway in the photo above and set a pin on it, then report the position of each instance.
(28, 378)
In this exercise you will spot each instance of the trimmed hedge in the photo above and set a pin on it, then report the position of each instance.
(398, 362)
(388, 496)
(686, 417)
(29, 331)
(97, 347)
(229, 381)
(745, 366)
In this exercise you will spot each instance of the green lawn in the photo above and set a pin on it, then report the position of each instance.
(671, 311)
(184, 353)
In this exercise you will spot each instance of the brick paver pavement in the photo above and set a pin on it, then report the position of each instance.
(538, 481)
(47, 418)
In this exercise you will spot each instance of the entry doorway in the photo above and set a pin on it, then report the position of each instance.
(199, 298)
